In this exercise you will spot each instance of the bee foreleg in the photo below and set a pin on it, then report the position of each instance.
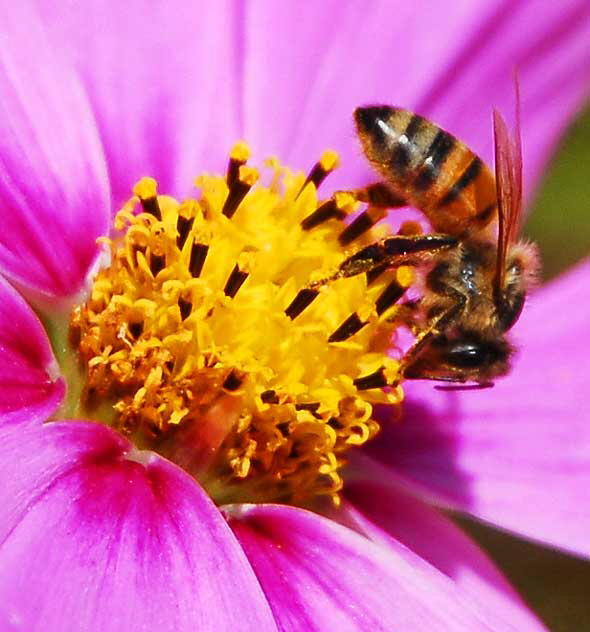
(436, 325)
(422, 340)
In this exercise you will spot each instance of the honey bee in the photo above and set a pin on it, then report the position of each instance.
(479, 273)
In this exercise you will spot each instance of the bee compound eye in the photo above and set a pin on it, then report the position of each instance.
(467, 355)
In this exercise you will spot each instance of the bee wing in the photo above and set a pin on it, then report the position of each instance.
(508, 164)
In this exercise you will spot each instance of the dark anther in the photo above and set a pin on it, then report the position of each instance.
(236, 194)
(235, 281)
(312, 408)
(183, 226)
(157, 263)
(317, 175)
(374, 380)
(356, 228)
(283, 428)
(328, 210)
(335, 423)
(135, 329)
(233, 171)
(390, 295)
(233, 381)
(150, 205)
(198, 256)
(300, 302)
(347, 329)
(185, 307)
(269, 397)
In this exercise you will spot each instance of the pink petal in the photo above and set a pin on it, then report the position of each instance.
(388, 516)
(162, 81)
(95, 537)
(53, 186)
(30, 389)
(307, 66)
(270, 73)
(319, 575)
(516, 455)
(547, 45)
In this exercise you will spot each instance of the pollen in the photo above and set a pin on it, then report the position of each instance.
(223, 339)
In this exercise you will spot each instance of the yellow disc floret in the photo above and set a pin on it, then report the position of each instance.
(220, 347)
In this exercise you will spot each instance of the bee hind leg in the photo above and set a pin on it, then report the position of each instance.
(379, 197)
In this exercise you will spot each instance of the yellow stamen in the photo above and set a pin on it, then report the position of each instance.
(241, 152)
(147, 191)
(146, 188)
(221, 348)
(329, 160)
(327, 163)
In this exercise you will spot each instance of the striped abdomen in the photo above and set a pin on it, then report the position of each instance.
(429, 168)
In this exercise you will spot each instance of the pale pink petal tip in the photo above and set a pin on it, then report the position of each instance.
(54, 191)
(319, 575)
(94, 540)
(30, 386)
(516, 455)
(388, 516)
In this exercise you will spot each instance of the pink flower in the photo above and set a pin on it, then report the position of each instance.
(99, 535)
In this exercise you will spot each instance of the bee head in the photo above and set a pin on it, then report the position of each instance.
(465, 356)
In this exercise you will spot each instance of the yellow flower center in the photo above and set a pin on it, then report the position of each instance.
(220, 342)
